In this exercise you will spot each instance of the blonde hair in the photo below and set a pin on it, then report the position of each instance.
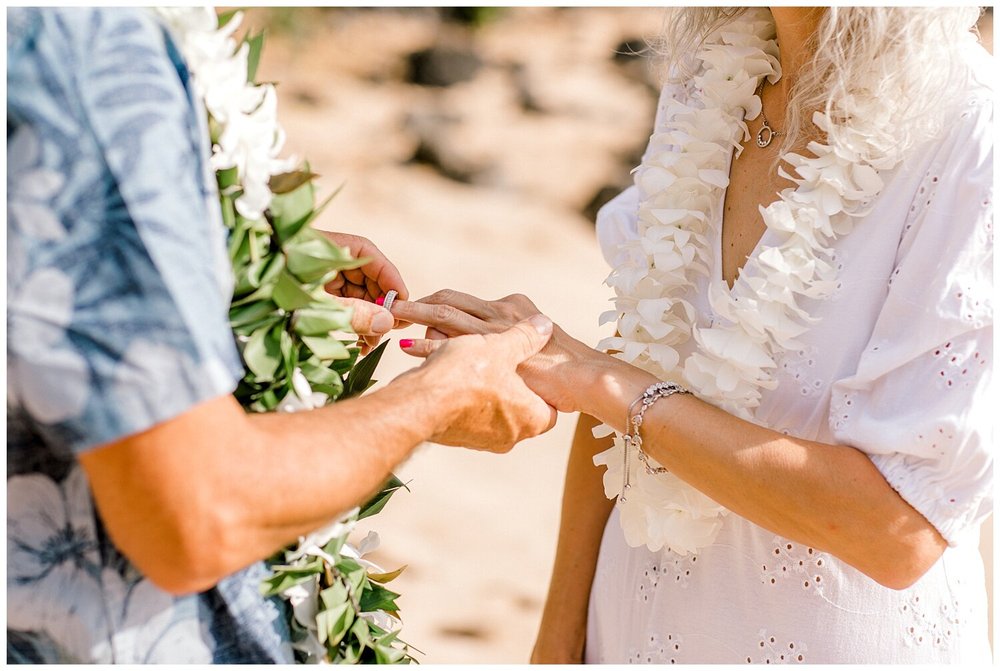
(863, 58)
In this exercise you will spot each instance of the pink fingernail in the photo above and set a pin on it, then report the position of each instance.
(405, 343)
(380, 300)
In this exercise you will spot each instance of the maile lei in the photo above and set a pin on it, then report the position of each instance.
(681, 184)
(294, 338)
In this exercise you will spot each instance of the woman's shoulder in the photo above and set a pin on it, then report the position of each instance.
(970, 117)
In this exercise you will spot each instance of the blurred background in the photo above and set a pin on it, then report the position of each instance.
(474, 146)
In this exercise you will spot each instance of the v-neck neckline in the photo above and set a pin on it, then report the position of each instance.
(717, 270)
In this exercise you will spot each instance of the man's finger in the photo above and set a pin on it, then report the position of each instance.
(385, 274)
(524, 339)
(369, 319)
(445, 318)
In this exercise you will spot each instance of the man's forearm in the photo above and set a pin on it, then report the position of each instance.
(222, 489)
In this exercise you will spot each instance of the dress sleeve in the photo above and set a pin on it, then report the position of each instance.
(617, 221)
(920, 403)
(118, 290)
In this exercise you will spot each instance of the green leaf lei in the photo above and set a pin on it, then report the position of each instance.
(282, 318)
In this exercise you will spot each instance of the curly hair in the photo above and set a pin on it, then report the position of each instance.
(862, 57)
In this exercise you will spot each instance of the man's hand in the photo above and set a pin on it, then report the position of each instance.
(558, 373)
(362, 287)
(493, 408)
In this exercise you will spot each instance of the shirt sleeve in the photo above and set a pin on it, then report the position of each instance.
(118, 290)
(921, 401)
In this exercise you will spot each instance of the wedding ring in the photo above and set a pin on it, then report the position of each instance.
(390, 297)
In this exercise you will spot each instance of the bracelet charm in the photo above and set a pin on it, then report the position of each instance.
(651, 395)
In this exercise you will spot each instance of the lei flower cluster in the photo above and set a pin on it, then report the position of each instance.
(291, 334)
(681, 185)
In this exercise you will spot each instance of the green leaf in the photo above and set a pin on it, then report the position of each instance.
(287, 182)
(269, 401)
(289, 294)
(317, 373)
(333, 624)
(318, 321)
(262, 354)
(361, 632)
(335, 595)
(360, 377)
(284, 577)
(377, 502)
(248, 314)
(263, 293)
(344, 366)
(227, 178)
(326, 349)
(253, 58)
(387, 577)
(334, 546)
(350, 654)
(289, 210)
(289, 354)
(312, 258)
(239, 245)
(378, 598)
(353, 572)
(227, 16)
(228, 216)
(385, 653)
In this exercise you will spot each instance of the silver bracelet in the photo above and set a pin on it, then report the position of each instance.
(653, 393)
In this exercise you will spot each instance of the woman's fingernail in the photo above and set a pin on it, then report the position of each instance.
(380, 300)
(542, 324)
(405, 343)
(383, 322)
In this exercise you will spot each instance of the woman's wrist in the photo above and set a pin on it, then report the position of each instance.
(608, 386)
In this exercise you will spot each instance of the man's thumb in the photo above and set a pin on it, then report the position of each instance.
(526, 338)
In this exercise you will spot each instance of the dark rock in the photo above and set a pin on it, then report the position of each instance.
(636, 60)
(442, 66)
(436, 149)
(630, 50)
(603, 195)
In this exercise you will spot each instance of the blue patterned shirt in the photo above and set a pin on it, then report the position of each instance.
(118, 289)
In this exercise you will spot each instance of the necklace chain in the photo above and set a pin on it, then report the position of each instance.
(766, 133)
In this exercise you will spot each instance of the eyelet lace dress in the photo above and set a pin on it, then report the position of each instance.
(898, 365)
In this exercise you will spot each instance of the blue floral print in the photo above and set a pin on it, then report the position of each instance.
(118, 291)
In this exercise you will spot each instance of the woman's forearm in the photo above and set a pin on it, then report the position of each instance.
(585, 511)
(828, 496)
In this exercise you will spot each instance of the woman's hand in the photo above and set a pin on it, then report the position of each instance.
(362, 287)
(492, 408)
(557, 373)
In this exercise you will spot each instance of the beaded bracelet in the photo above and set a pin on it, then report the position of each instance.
(653, 393)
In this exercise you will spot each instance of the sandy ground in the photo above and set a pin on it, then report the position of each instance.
(476, 530)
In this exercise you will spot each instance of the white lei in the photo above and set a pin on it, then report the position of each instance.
(680, 184)
(248, 136)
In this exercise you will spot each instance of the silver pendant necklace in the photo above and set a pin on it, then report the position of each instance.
(766, 133)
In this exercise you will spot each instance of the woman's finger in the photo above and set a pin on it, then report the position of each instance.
(433, 334)
(421, 348)
(447, 319)
(467, 303)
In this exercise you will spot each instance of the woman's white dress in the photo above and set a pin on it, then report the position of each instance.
(899, 366)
